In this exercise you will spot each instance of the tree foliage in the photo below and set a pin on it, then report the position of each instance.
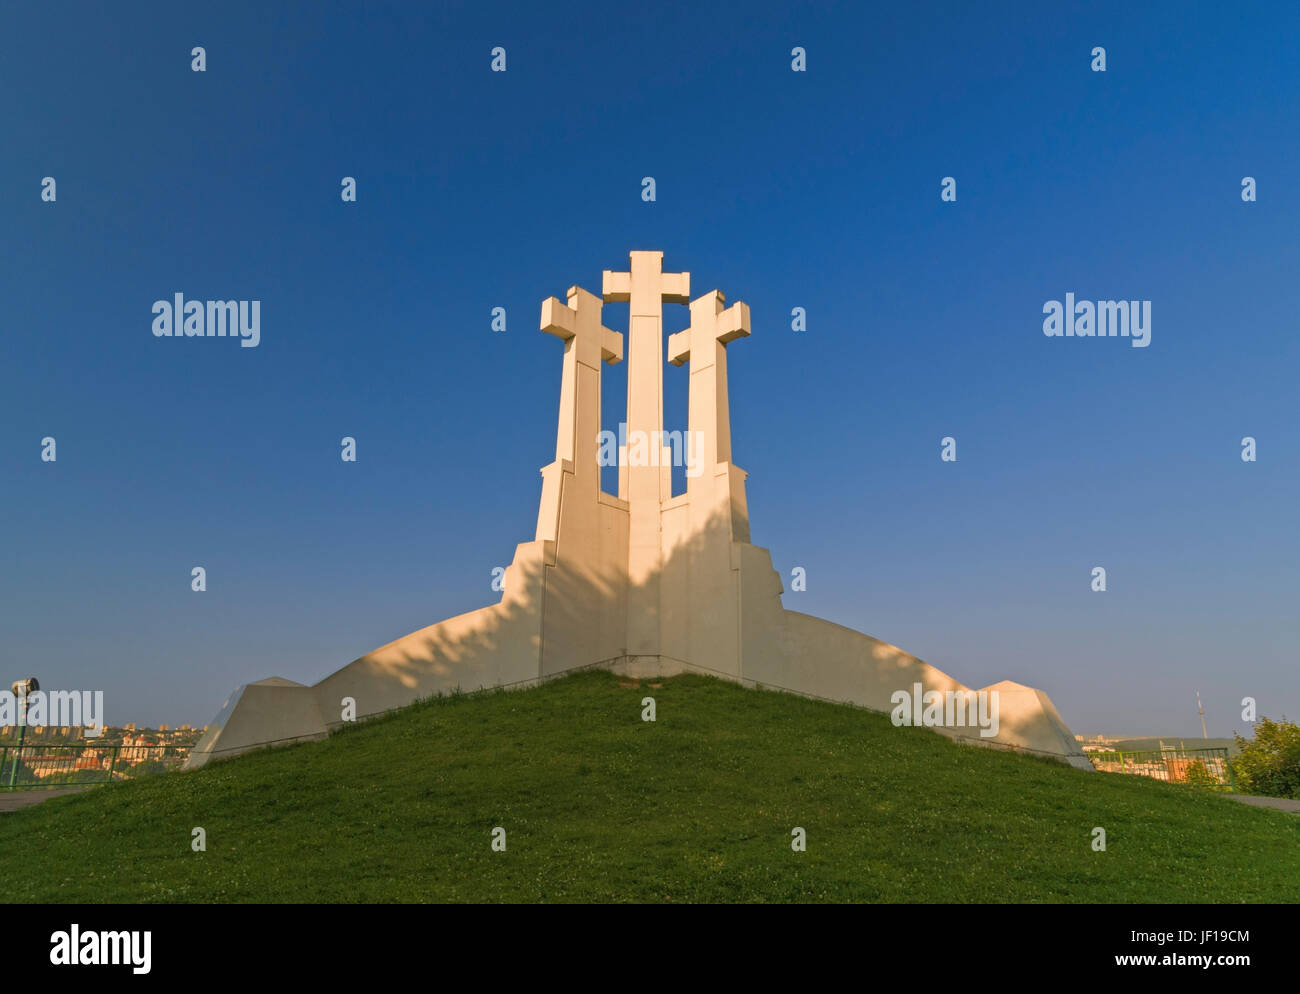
(1269, 764)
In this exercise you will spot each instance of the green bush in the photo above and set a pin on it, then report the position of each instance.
(1269, 764)
(1198, 776)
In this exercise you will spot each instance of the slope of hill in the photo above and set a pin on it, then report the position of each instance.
(599, 805)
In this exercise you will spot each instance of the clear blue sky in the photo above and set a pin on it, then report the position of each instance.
(819, 189)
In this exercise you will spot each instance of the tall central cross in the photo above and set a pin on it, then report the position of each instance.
(645, 287)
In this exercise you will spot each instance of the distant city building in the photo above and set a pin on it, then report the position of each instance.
(1097, 743)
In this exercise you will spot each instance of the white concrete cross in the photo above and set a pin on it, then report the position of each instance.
(645, 287)
(704, 343)
(586, 343)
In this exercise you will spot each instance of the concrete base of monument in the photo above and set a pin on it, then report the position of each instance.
(817, 659)
(265, 713)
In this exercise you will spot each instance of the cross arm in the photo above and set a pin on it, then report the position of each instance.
(564, 322)
(733, 323)
(674, 288)
(559, 319)
(611, 346)
(616, 288)
(728, 325)
(679, 347)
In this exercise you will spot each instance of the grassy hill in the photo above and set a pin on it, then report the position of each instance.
(601, 806)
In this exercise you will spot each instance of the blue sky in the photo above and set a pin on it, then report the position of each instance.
(818, 189)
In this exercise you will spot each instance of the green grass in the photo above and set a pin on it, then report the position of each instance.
(600, 806)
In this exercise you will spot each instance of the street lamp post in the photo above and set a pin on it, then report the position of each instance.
(23, 689)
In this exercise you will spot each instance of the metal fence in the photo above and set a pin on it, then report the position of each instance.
(1198, 767)
(30, 767)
